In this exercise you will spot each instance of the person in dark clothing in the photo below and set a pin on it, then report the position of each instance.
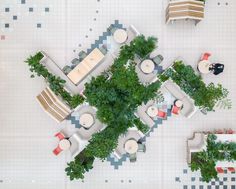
(217, 68)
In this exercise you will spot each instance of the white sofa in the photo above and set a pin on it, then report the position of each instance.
(188, 104)
(195, 144)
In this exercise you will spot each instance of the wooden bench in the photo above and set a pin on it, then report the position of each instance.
(53, 105)
(182, 9)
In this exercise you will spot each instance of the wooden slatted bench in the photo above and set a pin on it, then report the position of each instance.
(182, 9)
(53, 105)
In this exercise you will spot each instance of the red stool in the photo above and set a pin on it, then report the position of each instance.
(219, 170)
(60, 136)
(57, 150)
(205, 56)
(161, 114)
(231, 169)
(175, 110)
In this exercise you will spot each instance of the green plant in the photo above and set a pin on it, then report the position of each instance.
(205, 161)
(205, 96)
(55, 83)
(224, 104)
(77, 168)
(116, 94)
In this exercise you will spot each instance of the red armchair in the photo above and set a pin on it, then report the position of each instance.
(219, 170)
(57, 150)
(175, 110)
(162, 114)
(205, 56)
(60, 136)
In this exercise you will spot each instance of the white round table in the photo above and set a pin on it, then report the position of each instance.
(120, 36)
(131, 146)
(203, 66)
(179, 103)
(147, 66)
(152, 111)
(64, 144)
(86, 120)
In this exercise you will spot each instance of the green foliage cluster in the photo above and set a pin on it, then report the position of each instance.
(205, 96)
(116, 94)
(77, 168)
(56, 84)
(205, 161)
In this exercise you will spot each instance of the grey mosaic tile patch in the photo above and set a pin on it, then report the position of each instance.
(14, 17)
(22, 1)
(46, 9)
(185, 171)
(7, 9)
(185, 187)
(31, 9)
(39, 25)
(7, 25)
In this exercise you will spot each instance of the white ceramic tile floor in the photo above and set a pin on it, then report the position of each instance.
(26, 137)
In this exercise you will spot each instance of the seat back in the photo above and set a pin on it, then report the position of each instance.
(53, 105)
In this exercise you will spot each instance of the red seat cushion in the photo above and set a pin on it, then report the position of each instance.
(231, 169)
(161, 114)
(175, 110)
(57, 150)
(60, 136)
(219, 170)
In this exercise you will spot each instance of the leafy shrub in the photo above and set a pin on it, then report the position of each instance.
(56, 84)
(205, 96)
(205, 161)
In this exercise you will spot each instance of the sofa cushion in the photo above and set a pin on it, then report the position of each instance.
(174, 89)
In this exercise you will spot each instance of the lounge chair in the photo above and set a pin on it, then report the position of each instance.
(66, 69)
(82, 55)
(158, 59)
(141, 147)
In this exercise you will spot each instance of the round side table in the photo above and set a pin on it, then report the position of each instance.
(86, 120)
(64, 144)
(131, 146)
(204, 66)
(152, 111)
(147, 66)
(120, 36)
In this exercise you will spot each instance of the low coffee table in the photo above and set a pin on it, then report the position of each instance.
(204, 66)
(131, 146)
(147, 66)
(86, 120)
(120, 36)
(152, 111)
(64, 144)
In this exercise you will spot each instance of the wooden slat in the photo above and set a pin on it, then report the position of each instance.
(47, 108)
(57, 101)
(53, 105)
(173, 3)
(186, 7)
